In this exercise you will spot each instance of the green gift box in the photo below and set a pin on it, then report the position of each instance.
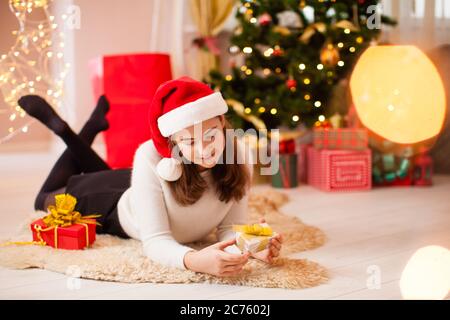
(286, 176)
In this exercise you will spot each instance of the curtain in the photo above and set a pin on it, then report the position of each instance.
(425, 23)
(168, 21)
(209, 16)
(442, 21)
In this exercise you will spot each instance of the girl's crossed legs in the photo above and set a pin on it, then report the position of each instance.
(78, 157)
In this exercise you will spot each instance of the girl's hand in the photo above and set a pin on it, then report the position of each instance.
(273, 249)
(214, 260)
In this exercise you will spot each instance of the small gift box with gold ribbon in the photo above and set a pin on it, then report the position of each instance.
(64, 228)
(253, 237)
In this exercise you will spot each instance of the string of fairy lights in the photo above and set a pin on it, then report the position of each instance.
(33, 65)
(329, 56)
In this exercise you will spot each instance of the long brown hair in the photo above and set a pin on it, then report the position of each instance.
(231, 180)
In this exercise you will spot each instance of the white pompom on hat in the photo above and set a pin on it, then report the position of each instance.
(179, 104)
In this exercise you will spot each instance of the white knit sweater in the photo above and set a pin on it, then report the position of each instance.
(148, 212)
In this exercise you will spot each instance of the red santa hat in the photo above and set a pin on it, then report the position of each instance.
(179, 104)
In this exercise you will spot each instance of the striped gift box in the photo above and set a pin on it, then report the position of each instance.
(340, 138)
(339, 170)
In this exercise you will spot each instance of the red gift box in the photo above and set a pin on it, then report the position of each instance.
(74, 237)
(129, 82)
(302, 167)
(340, 138)
(286, 146)
(339, 170)
(405, 182)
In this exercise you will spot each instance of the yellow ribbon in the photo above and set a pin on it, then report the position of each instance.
(322, 27)
(61, 214)
(311, 30)
(345, 24)
(253, 229)
(248, 232)
(282, 30)
(239, 108)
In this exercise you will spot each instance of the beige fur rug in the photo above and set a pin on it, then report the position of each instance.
(115, 259)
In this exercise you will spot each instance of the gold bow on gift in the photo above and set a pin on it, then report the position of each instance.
(253, 229)
(253, 237)
(61, 214)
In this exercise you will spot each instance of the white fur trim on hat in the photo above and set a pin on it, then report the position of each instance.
(169, 169)
(191, 113)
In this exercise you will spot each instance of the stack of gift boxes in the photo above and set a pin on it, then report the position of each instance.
(391, 170)
(332, 159)
(335, 158)
(339, 159)
(405, 169)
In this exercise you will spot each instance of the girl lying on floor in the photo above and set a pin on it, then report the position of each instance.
(177, 190)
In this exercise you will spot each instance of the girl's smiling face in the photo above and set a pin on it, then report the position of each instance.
(202, 143)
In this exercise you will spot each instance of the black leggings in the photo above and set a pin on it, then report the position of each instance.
(79, 170)
(68, 164)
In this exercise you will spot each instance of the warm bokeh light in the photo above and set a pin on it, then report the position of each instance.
(398, 93)
(427, 274)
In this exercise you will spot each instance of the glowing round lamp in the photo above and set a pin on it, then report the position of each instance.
(427, 274)
(398, 93)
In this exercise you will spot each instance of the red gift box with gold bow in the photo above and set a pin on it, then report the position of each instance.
(64, 228)
(74, 237)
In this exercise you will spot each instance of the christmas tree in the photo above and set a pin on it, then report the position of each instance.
(293, 54)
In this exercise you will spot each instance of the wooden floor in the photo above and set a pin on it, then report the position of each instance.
(371, 236)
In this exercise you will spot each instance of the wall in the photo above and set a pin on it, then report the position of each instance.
(107, 27)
